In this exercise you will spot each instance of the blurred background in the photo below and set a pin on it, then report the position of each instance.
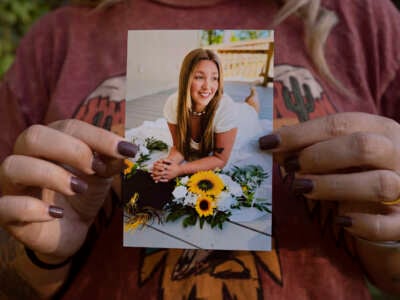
(16, 16)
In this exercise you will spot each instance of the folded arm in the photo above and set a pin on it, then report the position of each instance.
(171, 167)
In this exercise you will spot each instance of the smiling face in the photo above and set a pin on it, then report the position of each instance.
(204, 84)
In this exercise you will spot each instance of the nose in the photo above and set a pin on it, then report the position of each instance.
(206, 83)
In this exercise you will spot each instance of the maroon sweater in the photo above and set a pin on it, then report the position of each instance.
(72, 63)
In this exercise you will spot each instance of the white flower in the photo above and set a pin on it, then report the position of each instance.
(184, 180)
(179, 192)
(226, 179)
(190, 199)
(178, 200)
(142, 147)
(233, 187)
(225, 201)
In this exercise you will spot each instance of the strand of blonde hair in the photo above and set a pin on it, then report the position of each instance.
(318, 23)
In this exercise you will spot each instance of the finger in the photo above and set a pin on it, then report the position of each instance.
(98, 139)
(70, 149)
(292, 138)
(156, 176)
(359, 149)
(158, 168)
(167, 161)
(111, 167)
(371, 186)
(26, 209)
(374, 227)
(18, 170)
(47, 143)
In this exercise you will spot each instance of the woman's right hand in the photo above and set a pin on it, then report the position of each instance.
(55, 182)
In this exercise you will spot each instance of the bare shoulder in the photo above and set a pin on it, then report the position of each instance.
(12, 286)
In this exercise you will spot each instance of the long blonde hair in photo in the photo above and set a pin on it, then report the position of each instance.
(185, 104)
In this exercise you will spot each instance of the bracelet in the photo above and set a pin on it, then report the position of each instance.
(37, 262)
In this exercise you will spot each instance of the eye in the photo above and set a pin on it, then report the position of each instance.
(215, 78)
(198, 77)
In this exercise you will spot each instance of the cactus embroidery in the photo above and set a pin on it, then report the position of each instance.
(301, 105)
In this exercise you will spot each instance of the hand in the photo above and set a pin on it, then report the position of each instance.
(353, 158)
(53, 184)
(164, 170)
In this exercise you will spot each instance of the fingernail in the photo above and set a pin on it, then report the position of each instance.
(56, 212)
(302, 186)
(269, 141)
(98, 165)
(292, 165)
(127, 149)
(78, 185)
(343, 221)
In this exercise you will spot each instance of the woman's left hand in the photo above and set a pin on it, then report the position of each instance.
(353, 158)
(164, 170)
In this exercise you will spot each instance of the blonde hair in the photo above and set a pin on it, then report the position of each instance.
(318, 23)
(185, 104)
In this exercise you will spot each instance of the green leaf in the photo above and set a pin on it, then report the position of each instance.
(189, 221)
(202, 220)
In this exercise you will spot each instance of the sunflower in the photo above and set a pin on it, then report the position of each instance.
(206, 183)
(205, 206)
(129, 166)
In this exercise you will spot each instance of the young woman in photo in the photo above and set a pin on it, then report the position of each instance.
(203, 120)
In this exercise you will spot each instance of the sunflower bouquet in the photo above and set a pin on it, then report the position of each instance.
(210, 196)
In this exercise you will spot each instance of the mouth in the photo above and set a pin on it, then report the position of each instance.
(205, 94)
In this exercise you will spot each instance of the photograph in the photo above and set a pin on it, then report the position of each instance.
(197, 103)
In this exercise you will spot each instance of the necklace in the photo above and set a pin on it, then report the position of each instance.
(197, 114)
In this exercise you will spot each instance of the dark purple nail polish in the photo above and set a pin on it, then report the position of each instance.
(343, 221)
(292, 165)
(302, 186)
(78, 185)
(98, 165)
(56, 212)
(269, 141)
(127, 149)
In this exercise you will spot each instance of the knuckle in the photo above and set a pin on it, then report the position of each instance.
(68, 126)
(388, 187)
(364, 145)
(25, 208)
(337, 125)
(7, 171)
(8, 165)
(32, 135)
(82, 152)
